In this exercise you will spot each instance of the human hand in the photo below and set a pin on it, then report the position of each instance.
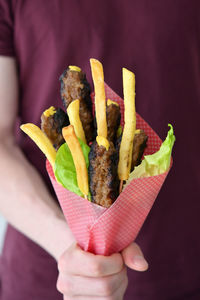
(83, 275)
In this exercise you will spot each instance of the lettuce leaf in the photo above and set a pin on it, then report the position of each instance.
(158, 162)
(65, 171)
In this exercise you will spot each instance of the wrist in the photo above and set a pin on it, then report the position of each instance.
(54, 234)
(60, 237)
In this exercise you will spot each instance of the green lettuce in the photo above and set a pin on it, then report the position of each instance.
(65, 171)
(158, 162)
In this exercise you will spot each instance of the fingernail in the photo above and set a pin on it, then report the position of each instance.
(140, 262)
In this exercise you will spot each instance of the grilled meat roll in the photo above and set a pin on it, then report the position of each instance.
(113, 116)
(74, 85)
(52, 122)
(139, 145)
(103, 177)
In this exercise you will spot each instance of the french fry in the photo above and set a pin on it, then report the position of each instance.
(100, 98)
(78, 158)
(41, 140)
(126, 147)
(74, 118)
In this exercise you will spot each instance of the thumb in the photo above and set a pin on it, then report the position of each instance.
(134, 258)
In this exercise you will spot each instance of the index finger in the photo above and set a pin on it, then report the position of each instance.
(75, 261)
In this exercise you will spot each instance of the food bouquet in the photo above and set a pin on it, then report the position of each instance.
(105, 162)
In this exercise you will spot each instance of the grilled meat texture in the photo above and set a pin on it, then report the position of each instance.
(103, 177)
(113, 116)
(74, 85)
(52, 126)
(139, 145)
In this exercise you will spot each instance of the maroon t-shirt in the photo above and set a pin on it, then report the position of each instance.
(160, 42)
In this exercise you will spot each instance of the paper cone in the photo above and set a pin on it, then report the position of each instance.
(109, 230)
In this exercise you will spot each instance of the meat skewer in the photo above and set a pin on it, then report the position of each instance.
(104, 181)
(74, 85)
(139, 145)
(113, 117)
(52, 122)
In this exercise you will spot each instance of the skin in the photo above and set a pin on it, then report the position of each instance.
(27, 205)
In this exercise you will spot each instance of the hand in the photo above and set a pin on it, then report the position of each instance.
(83, 275)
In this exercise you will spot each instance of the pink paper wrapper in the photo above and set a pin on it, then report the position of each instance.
(109, 230)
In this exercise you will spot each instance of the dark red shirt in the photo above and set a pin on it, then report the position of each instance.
(160, 42)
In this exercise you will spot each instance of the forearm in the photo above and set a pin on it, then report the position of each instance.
(26, 203)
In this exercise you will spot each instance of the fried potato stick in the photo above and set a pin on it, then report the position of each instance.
(126, 147)
(74, 118)
(78, 158)
(41, 140)
(100, 98)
